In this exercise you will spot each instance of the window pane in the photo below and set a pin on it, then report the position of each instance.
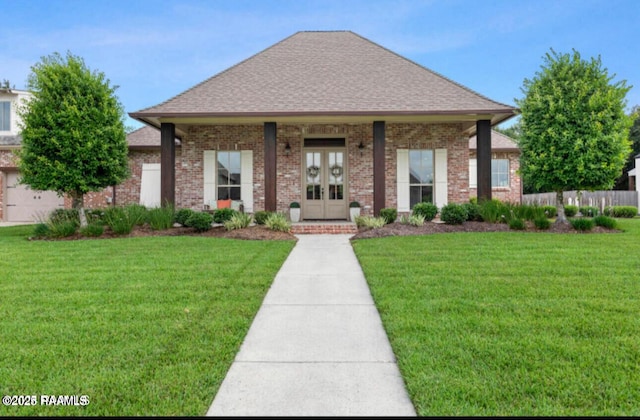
(5, 116)
(415, 196)
(234, 193)
(234, 168)
(223, 168)
(420, 166)
(500, 172)
(223, 193)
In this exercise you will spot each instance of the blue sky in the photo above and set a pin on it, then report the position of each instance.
(153, 50)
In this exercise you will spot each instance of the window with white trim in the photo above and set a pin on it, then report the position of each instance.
(5, 116)
(499, 173)
(229, 176)
(421, 170)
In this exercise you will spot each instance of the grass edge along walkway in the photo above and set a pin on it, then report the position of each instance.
(142, 326)
(512, 323)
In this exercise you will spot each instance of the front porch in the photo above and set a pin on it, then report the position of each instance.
(324, 167)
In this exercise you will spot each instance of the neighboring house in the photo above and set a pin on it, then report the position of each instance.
(633, 179)
(18, 203)
(323, 118)
(506, 184)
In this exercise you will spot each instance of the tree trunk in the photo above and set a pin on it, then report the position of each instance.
(77, 202)
(561, 218)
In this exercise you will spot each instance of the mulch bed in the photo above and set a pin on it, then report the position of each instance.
(429, 228)
(251, 233)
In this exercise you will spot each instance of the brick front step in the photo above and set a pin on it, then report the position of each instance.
(323, 228)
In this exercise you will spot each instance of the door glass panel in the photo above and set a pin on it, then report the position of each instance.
(314, 176)
(336, 175)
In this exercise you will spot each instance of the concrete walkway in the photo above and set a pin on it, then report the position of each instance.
(316, 346)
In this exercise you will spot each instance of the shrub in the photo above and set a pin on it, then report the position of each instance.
(517, 224)
(222, 215)
(354, 204)
(62, 228)
(605, 222)
(416, 220)
(542, 223)
(403, 220)
(621, 211)
(426, 210)
(370, 222)
(64, 215)
(550, 211)
(119, 220)
(529, 212)
(238, 221)
(589, 211)
(200, 221)
(95, 216)
(62, 223)
(261, 216)
(453, 214)
(183, 215)
(93, 229)
(278, 222)
(490, 210)
(161, 218)
(570, 211)
(137, 214)
(389, 215)
(294, 205)
(41, 230)
(473, 212)
(582, 224)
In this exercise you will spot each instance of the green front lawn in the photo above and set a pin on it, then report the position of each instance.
(142, 326)
(512, 323)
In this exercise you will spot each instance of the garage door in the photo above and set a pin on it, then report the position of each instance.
(26, 205)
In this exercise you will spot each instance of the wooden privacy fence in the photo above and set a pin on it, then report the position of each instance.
(600, 199)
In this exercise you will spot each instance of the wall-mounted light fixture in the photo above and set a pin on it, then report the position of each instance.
(361, 147)
(287, 149)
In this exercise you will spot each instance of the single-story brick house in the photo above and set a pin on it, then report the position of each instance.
(323, 119)
(506, 184)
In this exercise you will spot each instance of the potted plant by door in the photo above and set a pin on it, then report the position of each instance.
(354, 210)
(294, 212)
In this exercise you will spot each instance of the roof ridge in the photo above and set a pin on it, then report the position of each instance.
(468, 89)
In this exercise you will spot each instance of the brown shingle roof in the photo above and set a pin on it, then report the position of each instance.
(498, 142)
(145, 137)
(325, 73)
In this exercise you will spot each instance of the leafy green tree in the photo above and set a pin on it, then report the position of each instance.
(574, 127)
(73, 138)
(634, 136)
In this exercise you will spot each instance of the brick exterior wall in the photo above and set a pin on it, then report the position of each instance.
(513, 193)
(429, 136)
(189, 162)
(189, 172)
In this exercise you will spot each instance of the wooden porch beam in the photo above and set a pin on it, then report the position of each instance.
(270, 168)
(379, 170)
(483, 135)
(167, 164)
